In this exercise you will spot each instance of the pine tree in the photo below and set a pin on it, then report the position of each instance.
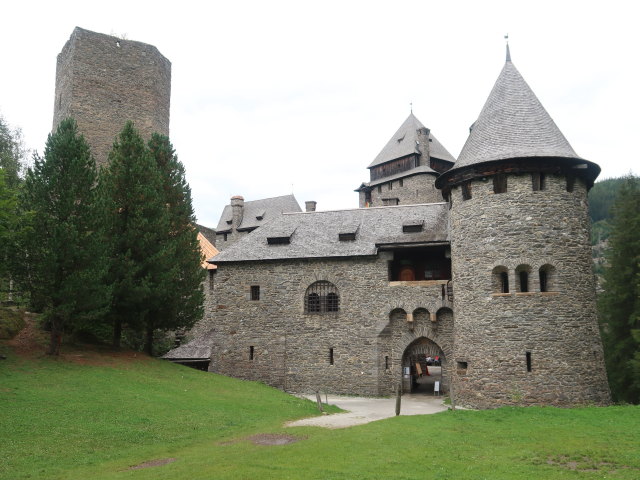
(180, 286)
(7, 221)
(62, 250)
(135, 217)
(12, 153)
(620, 303)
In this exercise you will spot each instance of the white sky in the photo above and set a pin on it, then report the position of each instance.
(274, 96)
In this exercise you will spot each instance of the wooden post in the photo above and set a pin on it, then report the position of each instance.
(398, 399)
(319, 400)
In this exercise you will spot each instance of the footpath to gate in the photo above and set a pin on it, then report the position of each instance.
(360, 410)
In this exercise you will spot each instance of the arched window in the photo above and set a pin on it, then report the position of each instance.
(547, 276)
(500, 280)
(522, 275)
(322, 297)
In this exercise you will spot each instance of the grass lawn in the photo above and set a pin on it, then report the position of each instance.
(94, 417)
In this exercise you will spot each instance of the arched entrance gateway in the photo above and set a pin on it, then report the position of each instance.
(424, 368)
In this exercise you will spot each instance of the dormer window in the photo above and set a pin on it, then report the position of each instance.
(280, 237)
(413, 226)
(347, 233)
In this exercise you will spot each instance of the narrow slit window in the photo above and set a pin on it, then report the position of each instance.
(386, 363)
(251, 352)
(331, 356)
(528, 356)
(255, 292)
(538, 180)
(400, 183)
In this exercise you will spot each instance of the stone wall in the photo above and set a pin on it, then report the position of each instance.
(408, 190)
(103, 81)
(524, 229)
(291, 349)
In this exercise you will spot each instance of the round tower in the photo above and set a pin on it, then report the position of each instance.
(526, 330)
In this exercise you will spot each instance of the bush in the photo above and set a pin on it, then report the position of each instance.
(11, 322)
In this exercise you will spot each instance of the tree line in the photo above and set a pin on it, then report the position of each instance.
(108, 251)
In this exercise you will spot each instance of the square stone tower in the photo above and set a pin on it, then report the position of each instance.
(103, 81)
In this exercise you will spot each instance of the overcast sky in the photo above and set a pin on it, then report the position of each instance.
(273, 97)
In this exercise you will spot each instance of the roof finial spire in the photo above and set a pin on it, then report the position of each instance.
(506, 37)
(411, 106)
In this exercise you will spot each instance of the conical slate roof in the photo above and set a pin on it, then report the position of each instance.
(403, 143)
(513, 124)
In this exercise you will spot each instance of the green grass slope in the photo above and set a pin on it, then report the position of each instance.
(93, 418)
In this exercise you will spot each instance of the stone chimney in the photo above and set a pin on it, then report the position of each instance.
(237, 210)
(310, 206)
(423, 145)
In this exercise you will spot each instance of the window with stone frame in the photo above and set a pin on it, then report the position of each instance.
(322, 297)
(255, 292)
(538, 181)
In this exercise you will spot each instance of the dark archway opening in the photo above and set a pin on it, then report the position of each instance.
(422, 367)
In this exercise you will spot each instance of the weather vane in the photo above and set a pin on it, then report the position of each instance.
(506, 37)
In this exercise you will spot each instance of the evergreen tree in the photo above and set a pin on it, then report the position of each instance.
(620, 303)
(7, 221)
(62, 250)
(135, 218)
(180, 302)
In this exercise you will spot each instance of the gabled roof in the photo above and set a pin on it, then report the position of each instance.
(258, 212)
(208, 250)
(403, 143)
(513, 124)
(199, 349)
(317, 234)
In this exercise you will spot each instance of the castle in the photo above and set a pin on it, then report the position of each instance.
(483, 262)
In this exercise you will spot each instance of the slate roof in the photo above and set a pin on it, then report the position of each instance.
(266, 209)
(513, 124)
(405, 174)
(403, 143)
(197, 349)
(315, 234)
(209, 233)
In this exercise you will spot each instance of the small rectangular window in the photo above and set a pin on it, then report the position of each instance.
(211, 272)
(462, 367)
(466, 191)
(400, 182)
(331, 356)
(251, 352)
(379, 188)
(386, 363)
(499, 183)
(255, 292)
(528, 356)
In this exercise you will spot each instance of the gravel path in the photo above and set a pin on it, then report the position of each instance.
(362, 410)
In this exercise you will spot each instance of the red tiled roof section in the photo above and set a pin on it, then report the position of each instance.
(208, 250)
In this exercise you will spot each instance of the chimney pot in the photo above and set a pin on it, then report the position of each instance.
(310, 206)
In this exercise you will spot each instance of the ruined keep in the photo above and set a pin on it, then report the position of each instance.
(484, 263)
(103, 81)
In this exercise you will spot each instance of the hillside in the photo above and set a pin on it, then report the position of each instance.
(112, 415)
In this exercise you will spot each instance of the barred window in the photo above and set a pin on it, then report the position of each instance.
(322, 297)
